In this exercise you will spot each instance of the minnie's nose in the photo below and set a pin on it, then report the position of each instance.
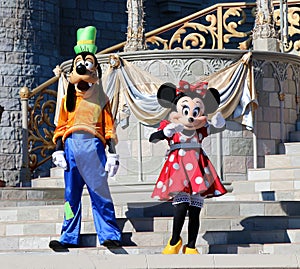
(191, 120)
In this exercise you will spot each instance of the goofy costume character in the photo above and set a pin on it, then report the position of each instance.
(85, 127)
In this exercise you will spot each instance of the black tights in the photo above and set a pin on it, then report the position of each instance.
(180, 211)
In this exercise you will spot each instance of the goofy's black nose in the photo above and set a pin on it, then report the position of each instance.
(81, 69)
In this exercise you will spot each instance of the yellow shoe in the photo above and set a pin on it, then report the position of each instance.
(187, 250)
(172, 249)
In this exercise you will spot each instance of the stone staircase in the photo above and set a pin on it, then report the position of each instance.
(260, 216)
(278, 181)
(226, 227)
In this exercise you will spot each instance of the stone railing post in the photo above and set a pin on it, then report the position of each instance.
(135, 29)
(25, 177)
(264, 33)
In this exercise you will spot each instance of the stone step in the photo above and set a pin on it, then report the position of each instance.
(270, 249)
(282, 161)
(258, 186)
(160, 239)
(292, 148)
(264, 174)
(156, 224)
(56, 172)
(48, 182)
(10, 196)
(212, 209)
(92, 260)
(275, 195)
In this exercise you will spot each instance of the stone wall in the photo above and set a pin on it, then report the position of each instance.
(28, 51)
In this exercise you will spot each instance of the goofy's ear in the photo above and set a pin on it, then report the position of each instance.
(71, 97)
(99, 71)
(211, 100)
(166, 95)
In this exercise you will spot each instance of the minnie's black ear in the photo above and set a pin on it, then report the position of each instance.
(211, 100)
(166, 95)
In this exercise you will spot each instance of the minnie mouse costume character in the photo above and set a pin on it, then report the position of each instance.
(85, 127)
(188, 175)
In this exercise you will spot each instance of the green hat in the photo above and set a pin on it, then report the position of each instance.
(86, 40)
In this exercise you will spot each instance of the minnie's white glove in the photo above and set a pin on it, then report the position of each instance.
(217, 120)
(173, 128)
(58, 158)
(112, 164)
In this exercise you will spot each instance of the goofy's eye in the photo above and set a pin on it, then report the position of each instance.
(89, 64)
(185, 110)
(196, 112)
(79, 63)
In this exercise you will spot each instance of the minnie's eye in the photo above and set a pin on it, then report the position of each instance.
(196, 112)
(88, 64)
(185, 110)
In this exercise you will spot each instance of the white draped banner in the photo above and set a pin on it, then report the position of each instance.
(133, 90)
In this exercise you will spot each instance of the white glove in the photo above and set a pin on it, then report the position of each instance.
(173, 128)
(58, 158)
(112, 164)
(217, 120)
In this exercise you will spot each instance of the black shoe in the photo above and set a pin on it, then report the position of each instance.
(58, 246)
(111, 243)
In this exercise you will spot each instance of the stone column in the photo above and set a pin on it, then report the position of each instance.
(264, 33)
(135, 29)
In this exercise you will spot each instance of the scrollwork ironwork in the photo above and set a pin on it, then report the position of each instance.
(40, 128)
(237, 25)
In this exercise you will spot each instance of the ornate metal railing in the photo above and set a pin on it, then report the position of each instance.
(37, 124)
(221, 26)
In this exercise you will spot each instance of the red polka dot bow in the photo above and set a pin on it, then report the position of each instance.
(199, 87)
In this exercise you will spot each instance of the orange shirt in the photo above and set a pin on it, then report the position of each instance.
(91, 114)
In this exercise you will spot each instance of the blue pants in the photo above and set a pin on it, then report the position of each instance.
(85, 155)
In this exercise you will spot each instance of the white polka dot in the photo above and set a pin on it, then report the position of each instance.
(171, 158)
(217, 192)
(185, 182)
(200, 136)
(207, 183)
(156, 197)
(167, 169)
(164, 188)
(181, 152)
(170, 182)
(189, 166)
(182, 139)
(176, 166)
(206, 170)
(159, 184)
(194, 193)
(172, 142)
(199, 180)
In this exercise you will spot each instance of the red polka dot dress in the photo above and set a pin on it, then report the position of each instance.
(187, 169)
